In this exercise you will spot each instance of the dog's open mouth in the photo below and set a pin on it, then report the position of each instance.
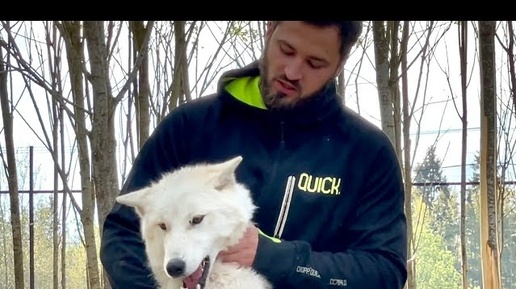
(197, 280)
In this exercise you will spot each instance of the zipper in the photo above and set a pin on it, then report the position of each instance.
(282, 134)
(287, 196)
(285, 206)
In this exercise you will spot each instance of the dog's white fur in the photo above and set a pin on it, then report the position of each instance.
(203, 189)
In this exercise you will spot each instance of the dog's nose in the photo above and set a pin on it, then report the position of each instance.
(176, 267)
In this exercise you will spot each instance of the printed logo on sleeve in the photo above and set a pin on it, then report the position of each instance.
(308, 271)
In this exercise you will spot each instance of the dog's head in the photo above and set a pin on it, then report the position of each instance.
(190, 215)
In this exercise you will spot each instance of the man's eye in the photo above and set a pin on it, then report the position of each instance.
(162, 226)
(197, 219)
(286, 50)
(314, 65)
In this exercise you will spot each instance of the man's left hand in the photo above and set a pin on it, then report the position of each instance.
(244, 251)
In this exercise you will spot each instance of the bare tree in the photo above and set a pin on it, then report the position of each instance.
(382, 43)
(180, 82)
(507, 136)
(488, 159)
(403, 115)
(10, 166)
(229, 33)
(104, 164)
(56, 111)
(509, 49)
(102, 138)
(463, 55)
(342, 81)
(55, 108)
(142, 91)
(409, 108)
(407, 167)
(71, 33)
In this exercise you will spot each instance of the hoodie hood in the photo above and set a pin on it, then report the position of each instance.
(317, 108)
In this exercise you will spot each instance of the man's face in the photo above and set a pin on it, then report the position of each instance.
(298, 61)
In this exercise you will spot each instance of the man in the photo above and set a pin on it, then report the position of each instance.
(326, 182)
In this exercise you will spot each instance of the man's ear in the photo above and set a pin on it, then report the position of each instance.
(340, 68)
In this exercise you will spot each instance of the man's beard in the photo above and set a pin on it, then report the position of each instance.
(278, 100)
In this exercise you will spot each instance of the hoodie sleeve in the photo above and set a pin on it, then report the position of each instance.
(122, 250)
(375, 258)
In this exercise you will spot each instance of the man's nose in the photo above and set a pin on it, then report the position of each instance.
(293, 70)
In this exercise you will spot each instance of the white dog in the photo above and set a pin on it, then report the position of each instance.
(187, 218)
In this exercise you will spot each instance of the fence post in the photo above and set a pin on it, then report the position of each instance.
(31, 217)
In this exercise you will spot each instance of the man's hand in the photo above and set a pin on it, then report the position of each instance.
(244, 252)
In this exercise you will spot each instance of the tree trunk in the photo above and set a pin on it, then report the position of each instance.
(180, 78)
(103, 143)
(463, 49)
(12, 177)
(64, 201)
(143, 91)
(56, 114)
(394, 64)
(74, 53)
(407, 165)
(381, 49)
(511, 62)
(488, 158)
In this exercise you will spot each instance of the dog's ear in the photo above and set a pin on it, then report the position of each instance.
(226, 172)
(134, 199)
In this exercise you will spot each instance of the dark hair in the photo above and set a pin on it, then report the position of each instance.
(349, 33)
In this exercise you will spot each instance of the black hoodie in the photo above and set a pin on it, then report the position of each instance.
(342, 223)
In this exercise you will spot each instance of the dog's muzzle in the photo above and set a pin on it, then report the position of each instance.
(197, 280)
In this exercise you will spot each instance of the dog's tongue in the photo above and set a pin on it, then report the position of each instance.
(192, 280)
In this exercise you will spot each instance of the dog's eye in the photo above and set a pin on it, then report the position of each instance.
(197, 219)
(162, 226)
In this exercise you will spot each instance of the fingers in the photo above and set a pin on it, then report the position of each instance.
(231, 257)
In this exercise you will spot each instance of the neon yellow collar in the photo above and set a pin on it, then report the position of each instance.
(247, 90)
